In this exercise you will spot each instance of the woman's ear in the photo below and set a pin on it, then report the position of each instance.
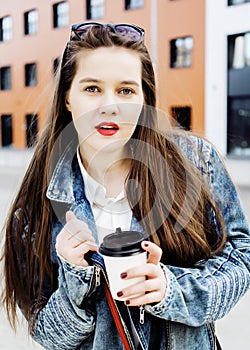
(67, 103)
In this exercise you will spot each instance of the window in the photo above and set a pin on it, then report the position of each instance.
(5, 75)
(5, 28)
(239, 50)
(31, 129)
(30, 74)
(60, 14)
(30, 22)
(181, 52)
(6, 129)
(182, 115)
(237, 2)
(238, 103)
(133, 4)
(95, 9)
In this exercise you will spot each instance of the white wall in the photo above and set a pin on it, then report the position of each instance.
(221, 21)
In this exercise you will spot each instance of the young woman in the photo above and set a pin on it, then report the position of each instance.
(102, 163)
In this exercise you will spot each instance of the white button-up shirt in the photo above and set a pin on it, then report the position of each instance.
(109, 213)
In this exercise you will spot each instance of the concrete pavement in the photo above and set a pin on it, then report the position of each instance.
(12, 166)
(233, 330)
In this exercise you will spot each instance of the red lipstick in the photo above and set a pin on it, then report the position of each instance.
(107, 128)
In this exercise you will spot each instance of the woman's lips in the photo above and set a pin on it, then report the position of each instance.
(107, 128)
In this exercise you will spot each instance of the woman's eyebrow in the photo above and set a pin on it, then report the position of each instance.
(129, 82)
(90, 80)
(94, 80)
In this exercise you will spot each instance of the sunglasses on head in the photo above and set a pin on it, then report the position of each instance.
(129, 31)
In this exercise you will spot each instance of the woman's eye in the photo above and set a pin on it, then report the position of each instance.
(92, 89)
(126, 91)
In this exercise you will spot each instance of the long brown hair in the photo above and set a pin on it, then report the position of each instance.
(185, 239)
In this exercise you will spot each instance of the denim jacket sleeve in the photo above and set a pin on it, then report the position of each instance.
(64, 323)
(209, 291)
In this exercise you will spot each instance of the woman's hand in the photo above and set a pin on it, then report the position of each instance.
(75, 240)
(153, 288)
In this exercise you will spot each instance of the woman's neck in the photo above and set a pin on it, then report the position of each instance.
(109, 169)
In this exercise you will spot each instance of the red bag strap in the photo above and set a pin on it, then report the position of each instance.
(116, 317)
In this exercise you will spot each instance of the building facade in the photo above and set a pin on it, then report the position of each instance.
(33, 35)
(227, 83)
(201, 80)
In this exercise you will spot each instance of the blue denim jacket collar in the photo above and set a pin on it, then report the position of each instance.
(60, 188)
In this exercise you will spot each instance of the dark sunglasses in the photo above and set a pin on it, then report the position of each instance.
(130, 31)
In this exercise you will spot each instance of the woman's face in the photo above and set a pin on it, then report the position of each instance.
(106, 98)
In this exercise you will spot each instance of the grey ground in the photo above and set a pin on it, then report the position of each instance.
(233, 330)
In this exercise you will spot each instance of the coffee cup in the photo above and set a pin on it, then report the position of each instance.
(122, 250)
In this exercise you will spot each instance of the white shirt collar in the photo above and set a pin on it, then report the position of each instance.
(94, 191)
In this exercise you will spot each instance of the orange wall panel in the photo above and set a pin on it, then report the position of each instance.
(182, 86)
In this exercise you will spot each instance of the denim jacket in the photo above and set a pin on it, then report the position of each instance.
(76, 314)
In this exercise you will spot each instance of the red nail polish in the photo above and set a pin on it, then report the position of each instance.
(146, 244)
(124, 274)
(127, 302)
(120, 294)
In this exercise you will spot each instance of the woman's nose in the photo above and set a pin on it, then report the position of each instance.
(109, 110)
(109, 106)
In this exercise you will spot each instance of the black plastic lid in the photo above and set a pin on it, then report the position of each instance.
(122, 243)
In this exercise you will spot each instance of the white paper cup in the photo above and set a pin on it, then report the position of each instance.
(116, 265)
(122, 250)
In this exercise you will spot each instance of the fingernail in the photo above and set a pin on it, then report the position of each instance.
(127, 302)
(124, 274)
(146, 244)
(120, 294)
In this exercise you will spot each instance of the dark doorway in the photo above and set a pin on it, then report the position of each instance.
(238, 140)
(6, 129)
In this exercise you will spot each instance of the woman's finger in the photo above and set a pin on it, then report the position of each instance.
(154, 251)
(75, 240)
(76, 231)
(76, 255)
(144, 299)
(70, 216)
(148, 269)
